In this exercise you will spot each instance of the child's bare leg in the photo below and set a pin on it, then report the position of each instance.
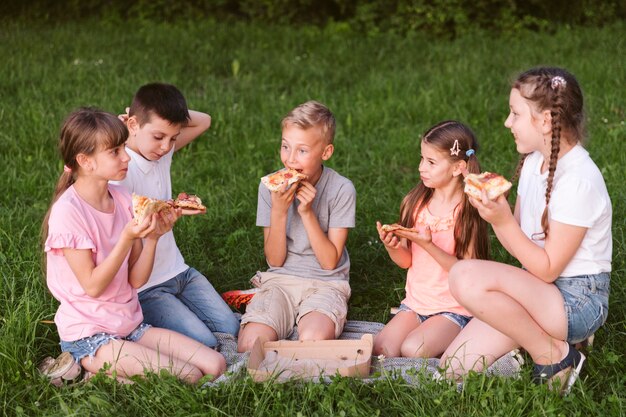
(129, 358)
(430, 339)
(476, 347)
(316, 326)
(186, 349)
(511, 300)
(250, 332)
(391, 337)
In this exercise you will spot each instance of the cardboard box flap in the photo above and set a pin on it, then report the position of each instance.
(288, 359)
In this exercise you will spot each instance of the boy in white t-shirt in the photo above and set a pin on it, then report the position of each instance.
(176, 296)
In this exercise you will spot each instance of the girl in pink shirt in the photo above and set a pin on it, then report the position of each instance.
(445, 228)
(96, 261)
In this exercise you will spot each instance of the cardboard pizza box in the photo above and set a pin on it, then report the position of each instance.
(288, 359)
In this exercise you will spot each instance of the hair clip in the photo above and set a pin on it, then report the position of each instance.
(557, 82)
(66, 168)
(454, 150)
(469, 152)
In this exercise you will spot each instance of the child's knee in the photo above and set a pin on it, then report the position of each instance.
(462, 279)
(411, 349)
(385, 347)
(217, 366)
(190, 374)
(316, 334)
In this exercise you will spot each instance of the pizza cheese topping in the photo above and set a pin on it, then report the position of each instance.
(494, 184)
(275, 180)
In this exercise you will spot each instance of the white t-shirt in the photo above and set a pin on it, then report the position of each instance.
(152, 179)
(579, 197)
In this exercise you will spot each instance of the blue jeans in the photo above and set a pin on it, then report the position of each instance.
(88, 346)
(455, 318)
(586, 303)
(188, 304)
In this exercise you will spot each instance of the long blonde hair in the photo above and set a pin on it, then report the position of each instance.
(86, 130)
(470, 227)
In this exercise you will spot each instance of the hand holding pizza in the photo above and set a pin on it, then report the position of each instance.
(420, 236)
(387, 236)
(495, 212)
(134, 230)
(283, 197)
(165, 220)
(189, 204)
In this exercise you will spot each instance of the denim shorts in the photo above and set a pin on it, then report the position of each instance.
(586, 303)
(88, 346)
(455, 318)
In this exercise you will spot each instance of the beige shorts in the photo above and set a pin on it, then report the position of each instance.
(284, 299)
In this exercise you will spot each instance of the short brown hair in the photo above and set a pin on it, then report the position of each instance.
(162, 100)
(313, 114)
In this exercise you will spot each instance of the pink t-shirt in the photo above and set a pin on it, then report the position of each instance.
(75, 224)
(427, 290)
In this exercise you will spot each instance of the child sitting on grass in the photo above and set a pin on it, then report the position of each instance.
(96, 261)
(305, 229)
(444, 227)
(177, 296)
(560, 232)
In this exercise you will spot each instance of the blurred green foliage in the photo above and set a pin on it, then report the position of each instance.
(438, 18)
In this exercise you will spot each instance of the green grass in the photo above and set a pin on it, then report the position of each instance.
(385, 91)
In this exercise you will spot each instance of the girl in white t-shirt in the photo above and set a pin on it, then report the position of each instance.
(560, 232)
(96, 261)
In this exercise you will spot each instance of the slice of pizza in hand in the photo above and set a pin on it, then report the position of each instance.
(275, 180)
(393, 227)
(494, 184)
(188, 201)
(145, 206)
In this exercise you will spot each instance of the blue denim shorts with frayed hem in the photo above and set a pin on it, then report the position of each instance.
(88, 346)
(455, 318)
(586, 300)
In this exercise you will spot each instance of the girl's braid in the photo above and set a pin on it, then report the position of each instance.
(555, 112)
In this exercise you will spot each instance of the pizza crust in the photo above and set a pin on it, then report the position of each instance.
(275, 180)
(392, 227)
(494, 184)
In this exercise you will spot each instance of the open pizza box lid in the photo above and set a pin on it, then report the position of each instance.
(288, 359)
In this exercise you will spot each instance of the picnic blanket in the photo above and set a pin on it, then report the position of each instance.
(409, 369)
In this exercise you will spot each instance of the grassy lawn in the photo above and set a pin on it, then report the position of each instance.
(385, 91)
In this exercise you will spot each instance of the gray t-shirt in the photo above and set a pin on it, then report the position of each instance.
(334, 205)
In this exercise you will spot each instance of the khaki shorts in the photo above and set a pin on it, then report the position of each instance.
(284, 299)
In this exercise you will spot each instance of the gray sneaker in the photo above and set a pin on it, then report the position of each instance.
(63, 368)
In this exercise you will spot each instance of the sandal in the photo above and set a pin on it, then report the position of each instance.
(546, 373)
(63, 368)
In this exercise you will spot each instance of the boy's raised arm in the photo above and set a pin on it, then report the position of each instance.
(198, 124)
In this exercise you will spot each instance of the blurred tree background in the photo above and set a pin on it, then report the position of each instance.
(439, 18)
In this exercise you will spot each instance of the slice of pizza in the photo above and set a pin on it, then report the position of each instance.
(145, 206)
(275, 180)
(392, 227)
(494, 184)
(188, 201)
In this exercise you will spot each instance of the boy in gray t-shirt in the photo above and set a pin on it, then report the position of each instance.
(305, 227)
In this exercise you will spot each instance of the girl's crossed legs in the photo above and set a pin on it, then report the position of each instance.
(511, 308)
(158, 349)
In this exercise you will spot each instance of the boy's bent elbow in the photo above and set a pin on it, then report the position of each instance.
(329, 265)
